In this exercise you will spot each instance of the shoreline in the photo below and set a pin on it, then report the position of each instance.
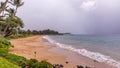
(76, 59)
(27, 47)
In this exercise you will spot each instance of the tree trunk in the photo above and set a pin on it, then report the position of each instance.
(4, 32)
(16, 10)
(2, 9)
(4, 6)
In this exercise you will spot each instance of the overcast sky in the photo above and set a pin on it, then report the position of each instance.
(75, 16)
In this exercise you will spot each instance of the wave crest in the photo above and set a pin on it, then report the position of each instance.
(93, 55)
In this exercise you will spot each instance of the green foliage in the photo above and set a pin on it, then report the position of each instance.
(43, 64)
(6, 64)
(10, 25)
(18, 36)
(22, 62)
(9, 22)
(31, 62)
(39, 32)
(4, 46)
(13, 24)
(18, 3)
(3, 50)
(4, 43)
(18, 60)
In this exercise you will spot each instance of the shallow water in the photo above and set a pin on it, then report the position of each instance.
(101, 48)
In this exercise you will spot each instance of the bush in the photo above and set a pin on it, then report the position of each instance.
(43, 64)
(31, 62)
(17, 36)
(4, 43)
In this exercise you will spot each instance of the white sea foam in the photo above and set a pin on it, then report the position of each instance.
(93, 55)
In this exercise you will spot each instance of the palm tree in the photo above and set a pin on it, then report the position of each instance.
(3, 6)
(2, 9)
(9, 22)
(13, 24)
(17, 4)
(11, 12)
(9, 19)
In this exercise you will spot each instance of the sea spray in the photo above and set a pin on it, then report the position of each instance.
(93, 55)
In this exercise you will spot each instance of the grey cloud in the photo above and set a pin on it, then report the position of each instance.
(67, 16)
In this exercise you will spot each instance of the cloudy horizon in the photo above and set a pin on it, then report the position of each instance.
(74, 16)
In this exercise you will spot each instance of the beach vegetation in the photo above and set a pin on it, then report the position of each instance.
(39, 32)
(18, 60)
(10, 24)
(6, 64)
(4, 43)
(42, 64)
(10, 27)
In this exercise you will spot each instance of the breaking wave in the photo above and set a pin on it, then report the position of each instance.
(93, 55)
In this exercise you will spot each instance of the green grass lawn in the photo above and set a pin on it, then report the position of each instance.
(5, 64)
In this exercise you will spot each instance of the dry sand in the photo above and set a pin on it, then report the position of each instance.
(27, 47)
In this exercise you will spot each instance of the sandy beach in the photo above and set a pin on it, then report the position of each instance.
(27, 47)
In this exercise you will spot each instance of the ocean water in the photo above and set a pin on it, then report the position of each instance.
(103, 48)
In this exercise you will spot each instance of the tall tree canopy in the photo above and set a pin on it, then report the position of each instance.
(9, 22)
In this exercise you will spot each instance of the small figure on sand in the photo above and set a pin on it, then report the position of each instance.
(35, 53)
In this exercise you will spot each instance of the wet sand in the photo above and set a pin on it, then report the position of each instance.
(27, 47)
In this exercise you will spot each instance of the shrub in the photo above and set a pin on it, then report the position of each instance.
(17, 36)
(31, 62)
(4, 43)
(43, 64)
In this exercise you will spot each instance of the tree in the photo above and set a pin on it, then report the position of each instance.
(3, 6)
(29, 31)
(9, 22)
(17, 4)
(13, 25)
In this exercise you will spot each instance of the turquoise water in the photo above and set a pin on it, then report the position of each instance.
(104, 48)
